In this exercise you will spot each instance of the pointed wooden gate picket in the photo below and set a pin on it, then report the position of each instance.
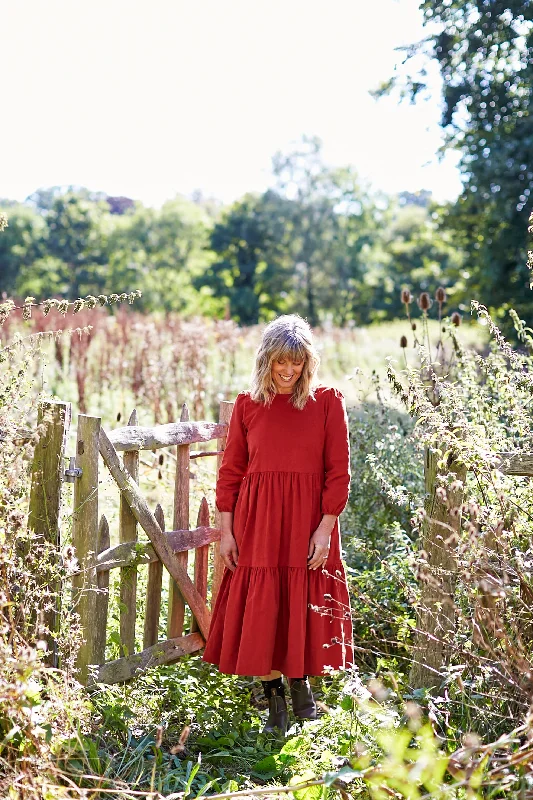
(167, 549)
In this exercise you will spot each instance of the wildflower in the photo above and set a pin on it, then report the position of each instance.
(407, 297)
(26, 309)
(403, 342)
(456, 319)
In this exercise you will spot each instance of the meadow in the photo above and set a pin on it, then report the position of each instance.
(186, 730)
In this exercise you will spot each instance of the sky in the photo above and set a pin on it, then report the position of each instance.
(150, 99)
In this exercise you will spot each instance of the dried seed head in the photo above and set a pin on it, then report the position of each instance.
(119, 416)
(424, 301)
(456, 319)
(413, 326)
(161, 459)
(440, 295)
(407, 297)
(403, 342)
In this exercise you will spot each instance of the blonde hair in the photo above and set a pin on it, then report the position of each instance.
(287, 336)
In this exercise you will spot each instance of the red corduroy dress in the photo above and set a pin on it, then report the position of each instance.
(282, 469)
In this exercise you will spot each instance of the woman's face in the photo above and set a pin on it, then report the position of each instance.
(285, 373)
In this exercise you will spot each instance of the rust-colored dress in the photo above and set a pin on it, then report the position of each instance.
(282, 469)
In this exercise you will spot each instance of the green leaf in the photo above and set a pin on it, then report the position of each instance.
(230, 786)
(267, 764)
(345, 774)
(311, 792)
(347, 703)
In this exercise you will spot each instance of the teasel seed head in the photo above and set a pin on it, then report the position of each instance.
(424, 301)
(403, 342)
(456, 319)
(413, 326)
(440, 295)
(407, 297)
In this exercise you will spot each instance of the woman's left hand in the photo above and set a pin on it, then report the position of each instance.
(318, 548)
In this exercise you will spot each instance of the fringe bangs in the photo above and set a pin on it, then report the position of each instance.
(289, 336)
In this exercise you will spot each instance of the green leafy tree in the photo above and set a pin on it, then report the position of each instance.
(252, 271)
(18, 244)
(484, 51)
(413, 251)
(330, 225)
(71, 253)
(163, 251)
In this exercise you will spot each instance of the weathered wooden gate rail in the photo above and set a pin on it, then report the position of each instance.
(96, 556)
(436, 611)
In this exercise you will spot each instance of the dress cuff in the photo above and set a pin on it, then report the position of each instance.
(225, 507)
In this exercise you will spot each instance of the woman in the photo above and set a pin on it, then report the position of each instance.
(283, 605)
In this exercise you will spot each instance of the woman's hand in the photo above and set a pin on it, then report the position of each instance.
(319, 542)
(228, 550)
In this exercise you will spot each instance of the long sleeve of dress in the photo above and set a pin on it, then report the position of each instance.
(336, 456)
(234, 460)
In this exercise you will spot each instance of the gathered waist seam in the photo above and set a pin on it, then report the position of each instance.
(281, 472)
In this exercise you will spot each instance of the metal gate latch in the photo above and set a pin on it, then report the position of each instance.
(73, 471)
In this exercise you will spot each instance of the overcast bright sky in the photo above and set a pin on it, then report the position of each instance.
(148, 99)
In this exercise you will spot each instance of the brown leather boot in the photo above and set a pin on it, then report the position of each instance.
(278, 716)
(303, 702)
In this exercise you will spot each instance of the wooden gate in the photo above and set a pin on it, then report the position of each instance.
(166, 548)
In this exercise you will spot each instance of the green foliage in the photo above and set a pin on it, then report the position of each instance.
(376, 527)
(484, 52)
(18, 244)
(253, 267)
(317, 243)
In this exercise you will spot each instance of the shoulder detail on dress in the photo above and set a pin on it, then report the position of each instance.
(242, 395)
(328, 392)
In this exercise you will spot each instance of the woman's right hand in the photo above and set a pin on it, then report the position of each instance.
(228, 550)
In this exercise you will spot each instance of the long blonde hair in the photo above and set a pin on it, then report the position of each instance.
(287, 336)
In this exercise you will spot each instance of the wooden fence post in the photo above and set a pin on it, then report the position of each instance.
(224, 416)
(102, 597)
(85, 536)
(176, 602)
(45, 502)
(153, 593)
(128, 575)
(436, 611)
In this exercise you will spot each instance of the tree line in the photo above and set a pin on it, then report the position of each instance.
(316, 242)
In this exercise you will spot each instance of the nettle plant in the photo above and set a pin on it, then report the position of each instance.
(470, 408)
